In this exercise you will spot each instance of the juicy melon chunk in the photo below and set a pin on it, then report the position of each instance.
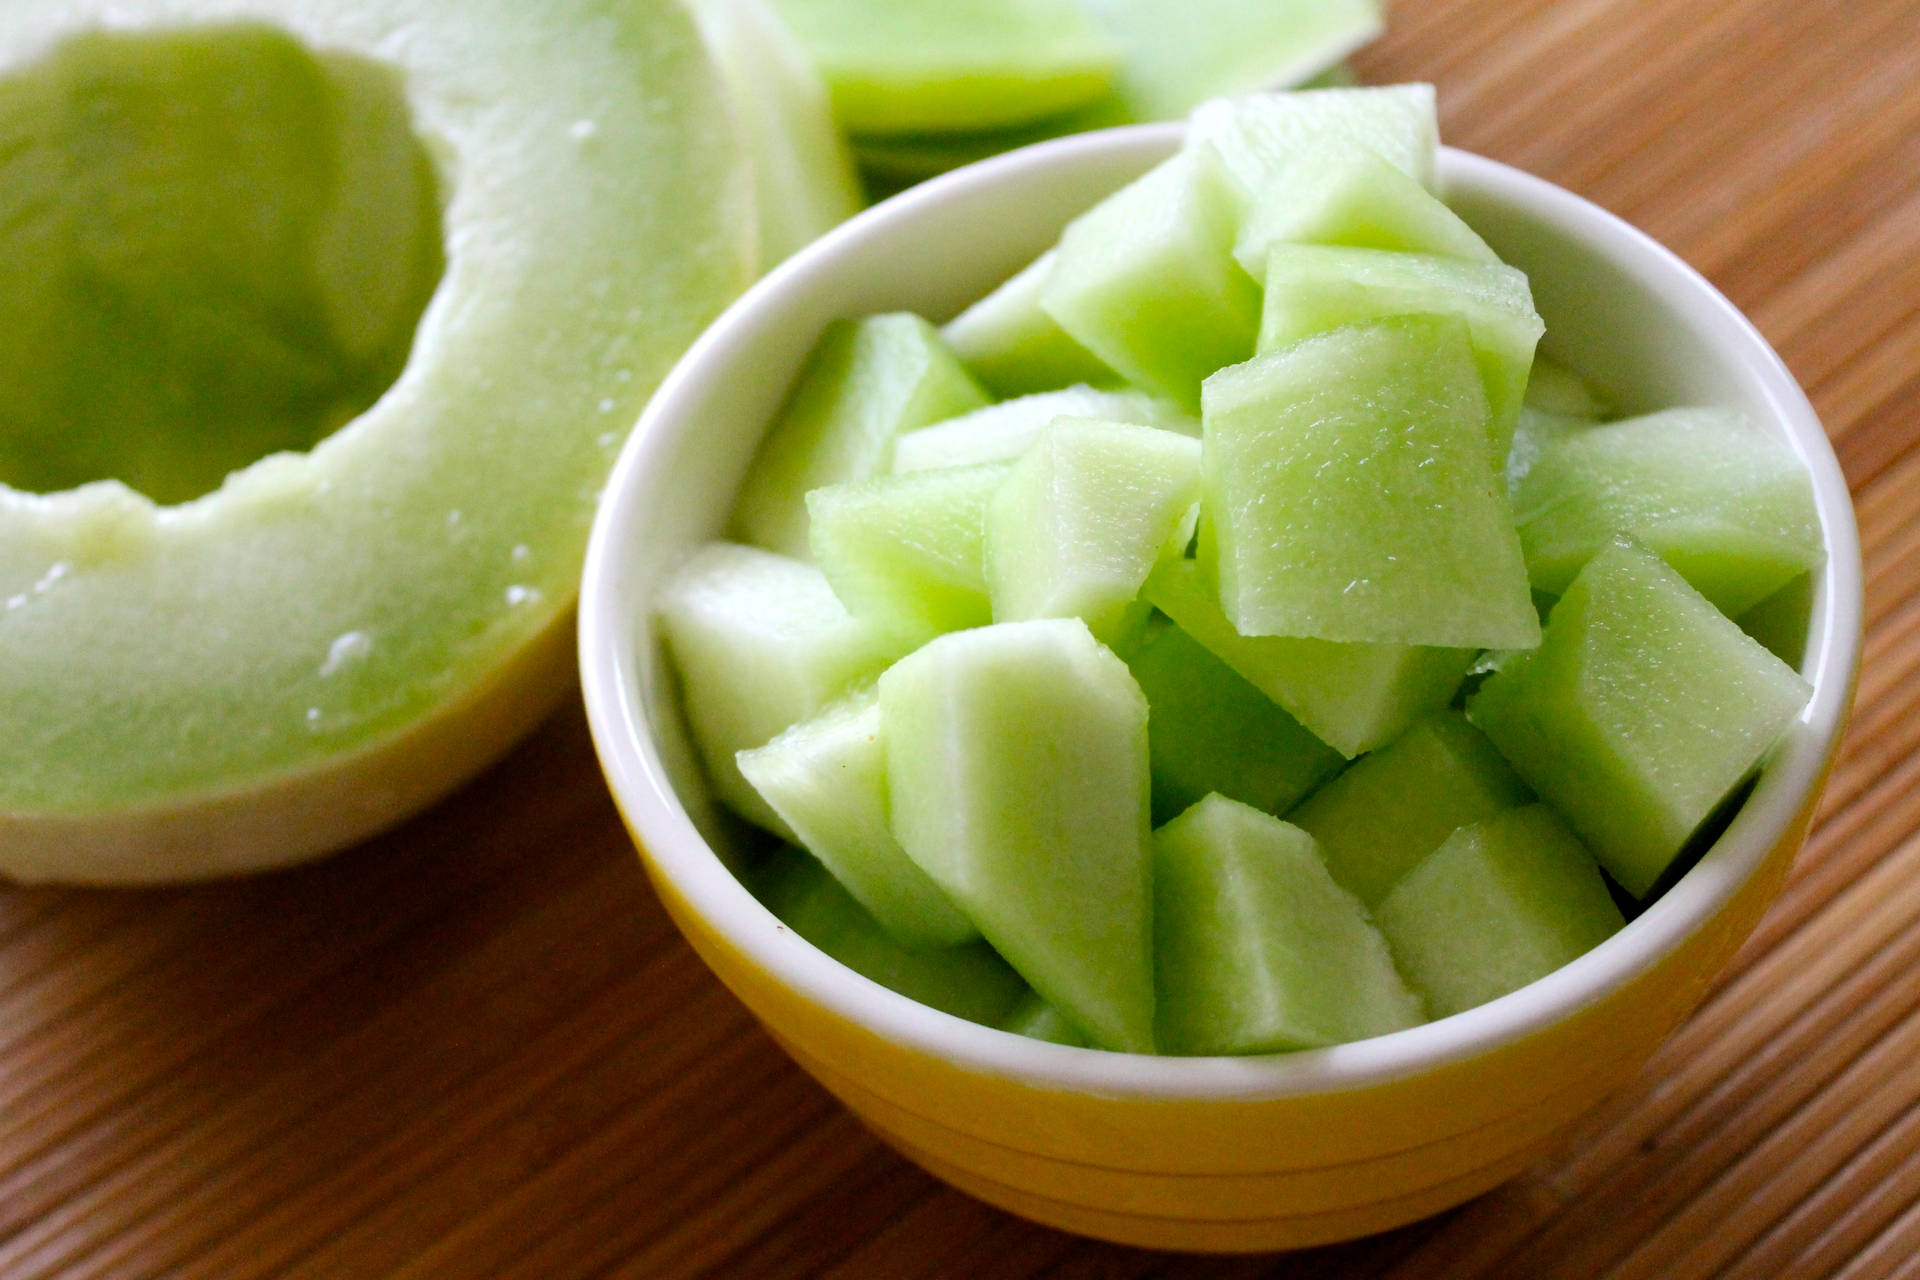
(1002, 432)
(1642, 709)
(1015, 347)
(1259, 136)
(1017, 774)
(827, 779)
(1352, 494)
(1396, 805)
(1713, 496)
(1554, 388)
(1256, 949)
(1504, 901)
(864, 383)
(761, 643)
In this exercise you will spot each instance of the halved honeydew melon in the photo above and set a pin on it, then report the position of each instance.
(1002, 432)
(267, 671)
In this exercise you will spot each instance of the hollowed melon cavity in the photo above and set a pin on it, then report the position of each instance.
(215, 244)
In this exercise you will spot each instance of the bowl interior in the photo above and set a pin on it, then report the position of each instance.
(1619, 309)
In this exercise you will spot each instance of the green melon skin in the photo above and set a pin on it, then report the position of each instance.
(1147, 282)
(827, 780)
(1038, 1020)
(908, 551)
(1015, 347)
(957, 65)
(967, 981)
(1082, 519)
(762, 643)
(1556, 389)
(1313, 288)
(1353, 497)
(864, 383)
(1502, 903)
(1353, 697)
(1337, 192)
(1002, 432)
(332, 639)
(1725, 504)
(1642, 709)
(1017, 774)
(1258, 136)
(1209, 730)
(1256, 949)
(1396, 805)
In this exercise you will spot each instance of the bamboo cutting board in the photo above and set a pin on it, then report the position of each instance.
(476, 1047)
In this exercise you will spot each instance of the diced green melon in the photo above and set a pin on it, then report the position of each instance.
(1396, 805)
(1642, 709)
(1017, 775)
(1002, 432)
(1147, 282)
(1014, 347)
(827, 779)
(1313, 288)
(1725, 504)
(908, 548)
(957, 64)
(1533, 430)
(1780, 622)
(1503, 902)
(1352, 495)
(1038, 1020)
(968, 981)
(1258, 136)
(1256, 949)
(761, 643)
(1209, 730)
(1338, 192)
(1084, 516)
(864, 383)
(1556, 389)
(1353, 697)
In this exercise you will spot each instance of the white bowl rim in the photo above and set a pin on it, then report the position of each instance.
(679, 853)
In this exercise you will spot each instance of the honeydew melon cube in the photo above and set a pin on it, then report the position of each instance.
(1780, 622)
(908, 548)
(1554, 388)
(1728, 506)
(1256, 949)
(1084, 516)
(1396, 805)
(761, 643)
(1260, 135)
(1313, 288)
(1017, 775)
(1014, 347)
(1209, 730)
(827, 779)
(1352, 495)
(1642, 709)
(864, 383)
(1002, 432)
(1340, 193)
(1146, 278)
(967, 981)
(1502, 902)
(1038, 1020)
(1533, 430)
(1353, 697)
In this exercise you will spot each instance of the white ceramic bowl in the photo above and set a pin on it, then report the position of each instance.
(1216, 1153)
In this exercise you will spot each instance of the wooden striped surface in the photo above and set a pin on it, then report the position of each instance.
(476, 1047)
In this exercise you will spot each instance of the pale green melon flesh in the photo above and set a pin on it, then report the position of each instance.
(761, 643)
(827, 779)
(1082, 519)
(1017, 774)
(1313, 288)
(1353, 497)
(1396, 805)
(1781, 621)
(958, 64)
(1014, 347)
(1034, 1018)
(908, 549)
(1209, 730)
(967, 981)
(1501, 903)
(864, 382)
(1533, 430)
(1556, 389)
(1002, 432)
(1639, 712)
(1258, 136)
(1726, 505)
(1353, 697)
(1147, 282)
(1256, 949)
(319, 605)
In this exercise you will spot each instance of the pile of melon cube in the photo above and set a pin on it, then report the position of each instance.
(1286, 656)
